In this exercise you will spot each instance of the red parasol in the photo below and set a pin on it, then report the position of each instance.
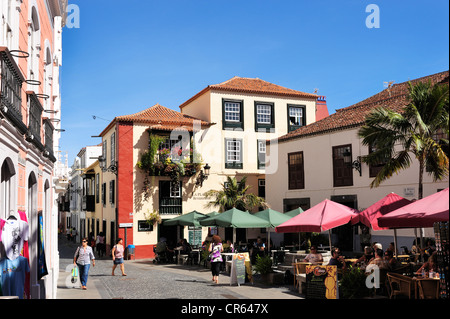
(422, 213)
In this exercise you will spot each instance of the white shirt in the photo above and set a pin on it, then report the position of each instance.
(14, 234)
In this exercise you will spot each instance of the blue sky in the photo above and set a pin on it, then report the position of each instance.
(129, 55)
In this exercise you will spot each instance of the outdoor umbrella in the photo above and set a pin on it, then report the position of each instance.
(274, 218)
(387, 204)
(294, 212)
(235, 218)
(189, 219)
(422, 213)
(324, 216)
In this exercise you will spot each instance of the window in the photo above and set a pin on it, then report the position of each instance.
(262, 188)
(175, 190)
(296, 171)
(264, 116)
(104, 149)
(170, 198)
(261, 154)
(232, 112)
(111, 192)
(233, 153)
(296, 117)
(113, 149)
(374, 169)
(233, 115)
(97, 188)
(342, 172)
(6, 188)
(104, 194)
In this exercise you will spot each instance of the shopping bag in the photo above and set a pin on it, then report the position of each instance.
(74, 275)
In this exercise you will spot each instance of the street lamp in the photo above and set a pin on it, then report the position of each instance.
(348, 161)
(203, 175)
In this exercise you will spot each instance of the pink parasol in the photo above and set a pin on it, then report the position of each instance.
(422, 213)
(324, 216)
(387, 204)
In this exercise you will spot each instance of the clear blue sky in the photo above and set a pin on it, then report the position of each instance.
(129, 55)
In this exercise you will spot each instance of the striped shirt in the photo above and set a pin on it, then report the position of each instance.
(84, 255)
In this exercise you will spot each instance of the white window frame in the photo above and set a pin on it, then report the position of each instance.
(233, 112)
(263, 114)
(234, 151)
(175, 190)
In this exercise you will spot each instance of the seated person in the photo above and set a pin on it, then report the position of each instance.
(393, 263)
(430, 265)
(258, 249)
(314, 257)
(366, 258)
(337, 260)
(163, 250)
(378, 261)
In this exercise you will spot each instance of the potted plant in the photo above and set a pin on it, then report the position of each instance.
(353, 284)
(263, 266)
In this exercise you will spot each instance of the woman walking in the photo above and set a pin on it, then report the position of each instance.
(82, 259)
(216, 257)
(117, 256)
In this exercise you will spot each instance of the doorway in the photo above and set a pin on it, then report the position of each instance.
(344, 234)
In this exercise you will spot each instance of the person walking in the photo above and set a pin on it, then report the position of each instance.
(82, 259)
(117, 256)
(216, 257)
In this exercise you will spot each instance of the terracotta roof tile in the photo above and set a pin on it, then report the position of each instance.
(159, 117)
(395, 98)
(253, 86)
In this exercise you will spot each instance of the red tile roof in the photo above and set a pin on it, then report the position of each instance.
(395, 98)
(159, 117)
(253, 86)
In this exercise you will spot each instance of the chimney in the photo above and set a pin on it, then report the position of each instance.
(321, 108)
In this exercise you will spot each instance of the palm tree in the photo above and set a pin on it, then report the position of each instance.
(395, 136)
(234, 195)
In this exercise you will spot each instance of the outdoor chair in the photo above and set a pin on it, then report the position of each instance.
(404, 269)
(428, 288)
(400, 285)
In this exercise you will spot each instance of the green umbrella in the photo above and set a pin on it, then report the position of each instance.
(294, 212)
(274, 218)
(189, 219)
(237, 219)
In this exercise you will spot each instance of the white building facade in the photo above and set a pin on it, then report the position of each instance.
(312, 168)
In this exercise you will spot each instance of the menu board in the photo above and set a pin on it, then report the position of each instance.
(321, 282)
(239, 267)
(195, 236)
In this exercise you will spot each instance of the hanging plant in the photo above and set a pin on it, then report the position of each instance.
(153, 217)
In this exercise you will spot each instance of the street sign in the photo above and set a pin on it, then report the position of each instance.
(126, 225)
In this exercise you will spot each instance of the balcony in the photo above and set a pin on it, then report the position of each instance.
(11, 80)
(164, 158)
(88, 203)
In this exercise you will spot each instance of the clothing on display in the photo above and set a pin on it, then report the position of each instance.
(14, 234)
(12, 276)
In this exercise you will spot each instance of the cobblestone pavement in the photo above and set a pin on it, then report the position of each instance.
(146, 280)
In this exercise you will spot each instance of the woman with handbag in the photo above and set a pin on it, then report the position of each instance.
(215, 250)
(82, 259)
(117, 256)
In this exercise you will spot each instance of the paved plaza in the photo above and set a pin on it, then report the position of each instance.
(146, 280)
